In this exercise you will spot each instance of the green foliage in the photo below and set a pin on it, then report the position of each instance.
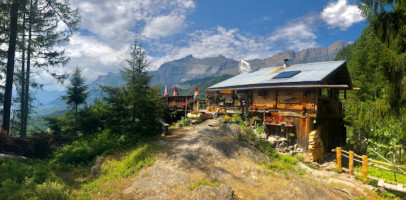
(51, 190)
(76, 93)
(237, 119)
(204, 182)
(29, 180)
(86, 149)
(336, 170)
(227, 118)
(374, 114)
(115, 169)
(135, 108)
(376, 172)
(184, 121)
(260, 130)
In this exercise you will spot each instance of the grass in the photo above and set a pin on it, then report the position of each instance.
(379, 173)
(115, 170)
(277, 162)
(203, 182)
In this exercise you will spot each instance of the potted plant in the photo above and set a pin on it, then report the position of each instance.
(275, 119)
(251, 108)
(289, 120)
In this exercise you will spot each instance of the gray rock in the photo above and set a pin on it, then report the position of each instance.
(272, 139)
(223, 192)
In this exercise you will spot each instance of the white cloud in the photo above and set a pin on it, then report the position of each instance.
(94, 50)
(163, 26)
(110, 27)
(115, 22)
(209, 43)
(341, 15)
(297, 34)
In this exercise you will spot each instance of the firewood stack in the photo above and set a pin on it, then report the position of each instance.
(316, 147)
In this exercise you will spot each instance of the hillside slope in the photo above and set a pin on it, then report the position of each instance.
(208, 161)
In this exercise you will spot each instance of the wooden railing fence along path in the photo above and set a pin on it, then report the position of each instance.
(365, 161)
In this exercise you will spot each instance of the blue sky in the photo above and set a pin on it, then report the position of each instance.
(172, 29)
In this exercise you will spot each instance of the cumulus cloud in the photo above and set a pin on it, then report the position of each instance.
(297, 34)
(341, 15)
(163, 26)
(108, 28)
(117, 21)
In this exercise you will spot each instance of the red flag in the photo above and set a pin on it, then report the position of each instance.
(196, 92)
(175, 91)
(166, 91)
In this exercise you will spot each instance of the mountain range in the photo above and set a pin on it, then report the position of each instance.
(190, 68)
(189, 72)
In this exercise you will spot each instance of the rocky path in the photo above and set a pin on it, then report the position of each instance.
(211, 152)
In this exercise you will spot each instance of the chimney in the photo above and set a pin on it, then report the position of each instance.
(286, 63)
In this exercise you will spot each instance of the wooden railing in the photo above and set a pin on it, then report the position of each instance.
(364, 160)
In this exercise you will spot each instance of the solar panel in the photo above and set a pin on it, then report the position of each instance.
(286, 74)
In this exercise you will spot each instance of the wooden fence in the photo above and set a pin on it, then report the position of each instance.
(364, 160)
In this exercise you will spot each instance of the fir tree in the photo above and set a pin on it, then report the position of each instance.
(76, 93)
(135, 107)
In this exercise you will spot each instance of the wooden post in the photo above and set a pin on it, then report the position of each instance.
(351, 163)
(338, 150)
(197, 105)
(364, 166)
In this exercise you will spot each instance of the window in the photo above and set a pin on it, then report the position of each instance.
(286, 74)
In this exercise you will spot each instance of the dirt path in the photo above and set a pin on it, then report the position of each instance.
(212, 153)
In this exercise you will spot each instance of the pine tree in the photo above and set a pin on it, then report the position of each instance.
(36, 24)
(135, 107)
(76, 93)
(387, 19)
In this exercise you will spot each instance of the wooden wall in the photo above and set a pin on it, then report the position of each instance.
(286, 99)
(264, 97)
(299, 101)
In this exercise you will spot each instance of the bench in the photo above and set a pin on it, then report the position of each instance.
(166, 127)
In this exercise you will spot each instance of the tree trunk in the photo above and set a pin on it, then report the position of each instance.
(23, 122)
(10, 65)
(76, 119)
(27, 78)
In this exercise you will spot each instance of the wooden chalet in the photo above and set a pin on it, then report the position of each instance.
(291, 101)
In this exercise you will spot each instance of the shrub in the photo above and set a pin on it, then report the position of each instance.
(86, 149)
(236, 118)
(227, 118)
(260, 130)
(19, 180)
(184, 121)
(51, 190)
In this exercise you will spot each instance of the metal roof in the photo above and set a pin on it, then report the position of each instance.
(310, 73)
